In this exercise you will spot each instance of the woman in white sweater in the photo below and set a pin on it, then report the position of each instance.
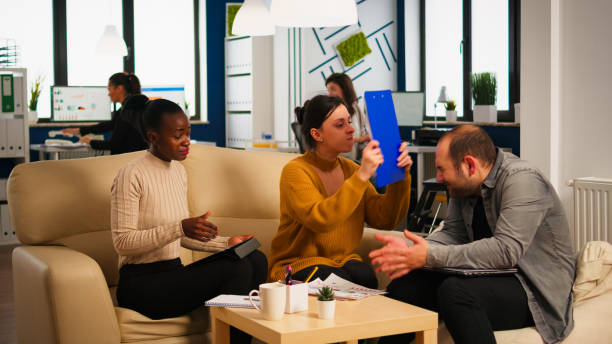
(150, 222)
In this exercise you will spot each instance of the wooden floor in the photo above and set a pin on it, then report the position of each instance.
(7, 307)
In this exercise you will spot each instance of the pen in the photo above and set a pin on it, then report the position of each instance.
(288, 275)
(311, 274)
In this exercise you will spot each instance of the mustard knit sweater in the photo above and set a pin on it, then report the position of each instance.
(316, 228)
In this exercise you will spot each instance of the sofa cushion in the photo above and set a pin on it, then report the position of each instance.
(369, 243)
(99, 246)
(592, 302)
(136, 327)
(54, 199)
(594, 271)
(234, 183)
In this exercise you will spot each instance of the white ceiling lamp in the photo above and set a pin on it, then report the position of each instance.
(253, 19)
(314, 13)
(111, 43)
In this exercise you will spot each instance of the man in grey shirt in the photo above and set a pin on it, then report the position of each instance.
(502, 213)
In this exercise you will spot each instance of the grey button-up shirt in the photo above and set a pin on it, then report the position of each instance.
(530, 231)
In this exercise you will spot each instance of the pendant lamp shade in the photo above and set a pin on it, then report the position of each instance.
(253, 19)
(111, 43)
(314, 13)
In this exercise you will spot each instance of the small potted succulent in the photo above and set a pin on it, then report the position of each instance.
(326, 303)
(451, 112)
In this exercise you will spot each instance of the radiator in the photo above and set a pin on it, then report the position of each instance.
(592, 210)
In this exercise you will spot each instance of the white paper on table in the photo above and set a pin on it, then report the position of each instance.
(343, 289)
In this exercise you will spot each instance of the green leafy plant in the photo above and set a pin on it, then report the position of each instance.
(353, 49)
(232, 10)
(35, 91)
(484, 88)
(186, 105)
(450, 105)
(326, 294)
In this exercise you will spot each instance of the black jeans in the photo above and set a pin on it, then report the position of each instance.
(471, 307)
(168, 289)
(354, 271)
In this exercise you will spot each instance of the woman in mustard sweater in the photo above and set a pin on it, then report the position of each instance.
(325, 199)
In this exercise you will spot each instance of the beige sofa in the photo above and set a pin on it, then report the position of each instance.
(66, 273)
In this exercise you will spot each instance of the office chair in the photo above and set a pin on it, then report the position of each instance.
(295, 126)
(431, 188)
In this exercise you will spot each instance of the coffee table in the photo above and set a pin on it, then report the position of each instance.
(373, 316)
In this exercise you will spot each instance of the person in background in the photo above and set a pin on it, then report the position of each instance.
(150, 222)
(325, 199)
(503, 213)
(340, 85)
(125, 123)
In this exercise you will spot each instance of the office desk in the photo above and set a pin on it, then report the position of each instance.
(56, 149)
(420, 150)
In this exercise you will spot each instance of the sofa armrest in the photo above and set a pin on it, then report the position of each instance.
(368, 244)
(61, 296)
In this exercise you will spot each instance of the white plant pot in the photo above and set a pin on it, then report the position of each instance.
(451, 116)
(485, 113)
(326, 309)
(32, 116)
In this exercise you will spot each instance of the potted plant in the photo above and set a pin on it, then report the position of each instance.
(35, 90)
(484, 92)
(451, 112)
(326, 303)
(187, 109)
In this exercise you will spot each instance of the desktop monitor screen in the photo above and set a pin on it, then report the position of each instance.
(173, 93)
(409, 108)
(80, 103)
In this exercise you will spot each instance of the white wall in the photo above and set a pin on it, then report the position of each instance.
(566, 98)
(301, 64)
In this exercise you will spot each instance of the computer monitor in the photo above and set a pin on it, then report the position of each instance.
(409, 108)
(175, 93)
(80, 104)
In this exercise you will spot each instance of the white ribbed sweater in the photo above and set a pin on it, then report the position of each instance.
(148, 203)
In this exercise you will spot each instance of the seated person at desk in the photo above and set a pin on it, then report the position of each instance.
(126, 123)
(150, 222)
(340, 85)
(325, 199)
(503, 213)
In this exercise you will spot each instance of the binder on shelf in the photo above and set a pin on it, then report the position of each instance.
(5, 220)
(8, 97)
(3, 185)
(3, 138)
(385, 130)
(18, 96)
(15, 137)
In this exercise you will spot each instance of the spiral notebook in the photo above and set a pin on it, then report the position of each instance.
(231, 301)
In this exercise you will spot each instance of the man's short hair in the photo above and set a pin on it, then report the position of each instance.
(472, 140)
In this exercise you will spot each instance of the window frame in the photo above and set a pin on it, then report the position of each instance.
(514, 53)
(60, 46)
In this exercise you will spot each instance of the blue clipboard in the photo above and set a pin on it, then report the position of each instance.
(385, 130)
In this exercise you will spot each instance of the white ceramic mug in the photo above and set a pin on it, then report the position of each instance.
(272, 298)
